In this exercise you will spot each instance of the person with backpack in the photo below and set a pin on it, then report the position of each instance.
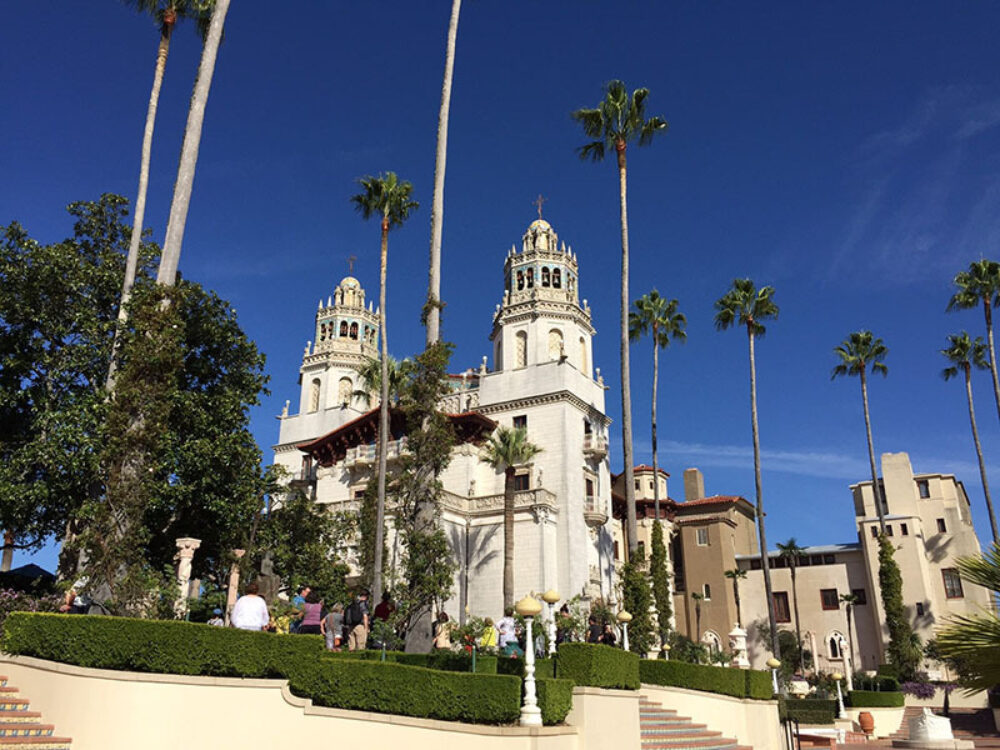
(356, 622)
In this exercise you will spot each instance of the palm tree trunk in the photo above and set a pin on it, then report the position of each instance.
(437, 206)
(170, 258)
(383, 421)
(132, 262)
(993, 355)
(795, 604)
(850, 640)
(633, 536)
(736, 596)
(879, 503)
(508, 538)
(979, 452)
(765, 563)
(656, 469)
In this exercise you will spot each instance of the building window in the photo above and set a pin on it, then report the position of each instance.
(520, 280)
(354, 331)
(924, 488)
(521, 481)
(583, 356)
(781, 611)
(617, 554)
(903, 530)
(521, 422)
(521, 349)
(817, 559)
(952, 583)
(833, 644)
(920, 609)
(942, 529)
(345, 390)
(829, 598)
(874, 531)
(556, 278)
(755, 564)
(637, 485)
(343, 329)
(314, 395)
(590, 489)
(888, 530)
(708, 592)
(545, 276)
(531, 278)
(702, 537)
(860, 595)
(555, 344)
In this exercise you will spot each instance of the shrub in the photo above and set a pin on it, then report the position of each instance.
(807, 710)
(543, 667)
(597, 665)
(352, 680)
(869, 699)
(759, 684)
(555, 698)
(879, 683)
(735, 682)
(923, 690)
(12, 600)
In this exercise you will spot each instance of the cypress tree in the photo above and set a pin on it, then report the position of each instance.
(661, 583)
(638, 600)
(904, 645)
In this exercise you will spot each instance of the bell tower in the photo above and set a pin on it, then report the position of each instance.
(541, 318)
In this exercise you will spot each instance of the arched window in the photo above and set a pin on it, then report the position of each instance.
(520, 280)
(545, 276)
(531, 277)
(583, 356)
(833, 645)
(314, 395)
(556, 278)
(521, 344)
(345, 389)
(343, 329)
(354, 331)
(555, 344)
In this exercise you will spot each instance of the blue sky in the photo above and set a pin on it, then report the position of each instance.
(848, 154)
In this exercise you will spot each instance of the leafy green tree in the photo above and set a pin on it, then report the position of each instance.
(370, 377)
(980, 285)
(617, 120)
(432, 311)
(638, 600)
(388, 198)
(857, 352)
(736, 575)
(658, 317)
(662, 594)
(506, 450)
(792, 553)
(744, 304)
(964, 354)
(904, 649)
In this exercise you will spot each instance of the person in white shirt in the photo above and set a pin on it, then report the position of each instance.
(250, 611)
(506, 629)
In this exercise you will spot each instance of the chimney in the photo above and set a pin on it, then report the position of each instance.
(694, 485)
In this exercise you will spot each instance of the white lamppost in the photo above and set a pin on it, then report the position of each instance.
(550, 597)
(624, 618)
(531, 714)
(773, 665)
(666, 651)
(837, 677)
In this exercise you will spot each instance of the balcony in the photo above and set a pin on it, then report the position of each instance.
(362, 456)
(303, 478)
(594, 511)
(595, 446)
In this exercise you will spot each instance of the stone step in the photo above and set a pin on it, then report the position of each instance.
(666, 723)
(36, 743)
(677, 729)
(691, 744)
(13, 704)
(19, 717)
(26, 729)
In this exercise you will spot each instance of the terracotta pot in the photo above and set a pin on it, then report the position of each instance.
(867, 722)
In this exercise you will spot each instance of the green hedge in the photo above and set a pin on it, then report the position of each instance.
(738, 683)
(870, 699)
(597, 665)
(555, 698)
(543, 667)
(807, 710)
(360, 683)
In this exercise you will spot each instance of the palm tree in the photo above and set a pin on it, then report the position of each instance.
(388, 198)
(736, 575)
(981, 284)
(433, 310)
(506, 450)
(964, 354)
(171, 254)
(849, 600)
(746, 305)
(370, 378)
(697, 615)
(166, 13)
(615, 121)
(791, 552)
(657, 316)
(859, 350)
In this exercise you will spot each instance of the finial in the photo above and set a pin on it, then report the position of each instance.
(538, 203)
(321, 303)
(284, 412)
(350, 264)
(482, 367)
(308, 347)
(329, 301)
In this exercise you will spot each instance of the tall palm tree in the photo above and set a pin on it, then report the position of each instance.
(171, 253)
(964, 354)
(658, 317)
(744, 304)
(370, 378)
(981, 284)
(857, 352)
(506, 450)
(849, 601)
(736, 575)
(388, 198)
(433, 310)
(166, 13)
(791, 552)
(612, 124)
(697, 615)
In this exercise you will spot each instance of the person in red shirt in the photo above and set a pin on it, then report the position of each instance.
(385, 608)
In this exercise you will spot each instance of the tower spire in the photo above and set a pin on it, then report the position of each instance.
(538, 204)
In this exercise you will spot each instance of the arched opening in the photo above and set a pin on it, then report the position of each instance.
(531, 277)
(833, 645)
(314, 395)
(345, 390)
(520, 280)
(545, 276)
(343, 329)
(555, 344)
(521, 345)
(583, 356)
(354, 331)
(556, 278)
(713, 641)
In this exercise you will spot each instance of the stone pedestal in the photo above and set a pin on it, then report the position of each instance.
(930, 732)
(738, 645)
(185, 554)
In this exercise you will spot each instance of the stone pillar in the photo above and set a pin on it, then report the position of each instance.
(185, 554)
(234, 582)
(738, 645)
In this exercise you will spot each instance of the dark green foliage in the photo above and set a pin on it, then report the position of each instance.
(638, 600)
(881, 682)
(555, 698)
(868, 699)
(808, 711)
(734, 682)
(660, 582)
(904, 648)
(684, 649)
(450, 661)
(543, 667)
(367, 524)
(597, 665)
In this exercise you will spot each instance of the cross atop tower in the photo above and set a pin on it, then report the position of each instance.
(538, 204)
(350, 264)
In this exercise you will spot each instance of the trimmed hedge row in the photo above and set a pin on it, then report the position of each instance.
(555, 698)
(597, 665)
(543, 667)
(871, 699)
(807, 710)
(360, 683)
(738, 683)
